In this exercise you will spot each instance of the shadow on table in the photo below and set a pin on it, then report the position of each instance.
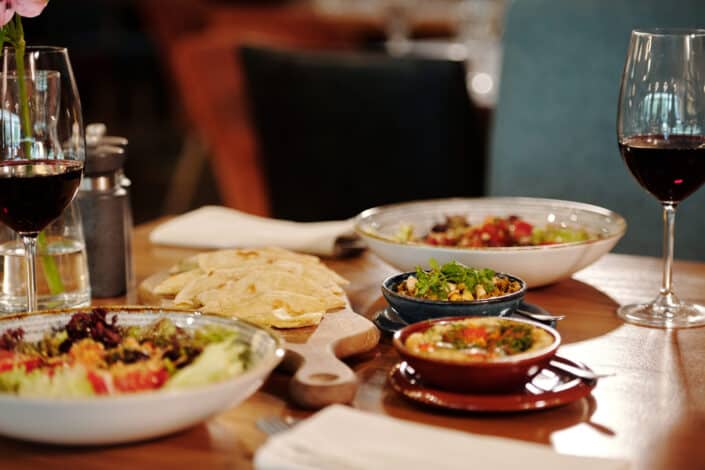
(535, 426)
(589, 312)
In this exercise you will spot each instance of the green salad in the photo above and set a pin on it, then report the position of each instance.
(93, 355)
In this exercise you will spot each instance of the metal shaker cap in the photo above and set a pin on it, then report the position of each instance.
(103, 160)
(95, 136)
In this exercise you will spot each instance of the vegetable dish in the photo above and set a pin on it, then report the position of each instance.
(493, 232)
(92, 355)
(478, 339)
(456, 282)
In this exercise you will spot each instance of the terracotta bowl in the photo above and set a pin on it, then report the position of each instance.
(492, 376)
(412, 309)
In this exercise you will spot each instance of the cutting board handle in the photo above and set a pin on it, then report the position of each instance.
(321, 379)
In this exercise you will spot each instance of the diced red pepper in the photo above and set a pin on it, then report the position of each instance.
(97, 382)
(141, 379)
(31, 363)
(470, 334)
(6, 364)
(12, 360)
(522, 229)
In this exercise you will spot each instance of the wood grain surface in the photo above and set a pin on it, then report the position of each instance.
(652, 412)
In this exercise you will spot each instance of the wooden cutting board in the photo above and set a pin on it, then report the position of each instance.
(312, 353)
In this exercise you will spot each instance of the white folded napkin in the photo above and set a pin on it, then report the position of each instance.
(221, 227)
(343, 438)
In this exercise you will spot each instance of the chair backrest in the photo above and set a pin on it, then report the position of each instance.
(338, 132)
(210, 83)
(555, 124)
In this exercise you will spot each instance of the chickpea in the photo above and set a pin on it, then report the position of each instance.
(411, 284)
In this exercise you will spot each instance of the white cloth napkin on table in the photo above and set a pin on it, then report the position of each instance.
(343, 438)
(221, 227)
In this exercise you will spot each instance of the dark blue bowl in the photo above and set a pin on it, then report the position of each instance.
(412, 310)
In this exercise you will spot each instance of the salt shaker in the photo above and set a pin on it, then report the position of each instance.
(104, 202)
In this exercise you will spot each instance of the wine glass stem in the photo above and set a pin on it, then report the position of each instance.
(30, 249)
(669, 221)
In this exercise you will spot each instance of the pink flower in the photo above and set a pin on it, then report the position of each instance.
(28, 8)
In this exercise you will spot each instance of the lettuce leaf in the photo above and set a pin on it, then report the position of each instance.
(217, 362)
(67, 382)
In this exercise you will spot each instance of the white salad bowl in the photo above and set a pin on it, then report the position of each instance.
(135, 416)
(537, 265)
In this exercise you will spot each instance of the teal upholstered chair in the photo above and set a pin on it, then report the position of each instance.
(555, 124)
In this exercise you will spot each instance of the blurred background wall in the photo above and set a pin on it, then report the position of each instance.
(122, 83)
(162, 72)
(346, 104)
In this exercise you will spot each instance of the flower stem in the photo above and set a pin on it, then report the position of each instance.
(25, 120)
(51, 271)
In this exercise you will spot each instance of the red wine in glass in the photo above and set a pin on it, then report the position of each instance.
(669, 167)
(35, 192)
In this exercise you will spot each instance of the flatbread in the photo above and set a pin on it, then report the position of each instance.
(174, 284)
(245, 281)
(234, 258)
(269, 286)
(274, 308)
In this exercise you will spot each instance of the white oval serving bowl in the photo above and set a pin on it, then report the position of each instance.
(537, 265)
(137, 416)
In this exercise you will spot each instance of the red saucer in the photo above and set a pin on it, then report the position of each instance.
(548, 389)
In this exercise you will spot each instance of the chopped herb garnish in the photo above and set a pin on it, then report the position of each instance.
(455, 282)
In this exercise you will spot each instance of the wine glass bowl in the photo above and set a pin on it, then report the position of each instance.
(42, 147)
(32, 194)
(661, 136)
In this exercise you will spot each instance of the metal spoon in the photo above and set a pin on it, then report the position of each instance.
(538, 316)
(576, 371)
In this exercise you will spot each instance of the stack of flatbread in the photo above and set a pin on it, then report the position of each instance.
(269, 286)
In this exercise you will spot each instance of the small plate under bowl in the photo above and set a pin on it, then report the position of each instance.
(136, 416)
(548, 389)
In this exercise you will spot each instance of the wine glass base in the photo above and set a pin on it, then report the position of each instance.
(681, 315)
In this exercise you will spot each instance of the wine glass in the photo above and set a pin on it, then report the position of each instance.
(42, 145)
(661, 135)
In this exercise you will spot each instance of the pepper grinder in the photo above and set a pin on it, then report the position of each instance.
(104, 202)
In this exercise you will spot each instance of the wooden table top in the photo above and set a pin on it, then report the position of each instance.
(652, 412)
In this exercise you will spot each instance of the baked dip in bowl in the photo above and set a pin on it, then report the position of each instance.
(477, 354)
